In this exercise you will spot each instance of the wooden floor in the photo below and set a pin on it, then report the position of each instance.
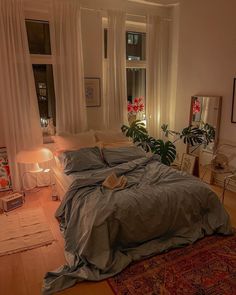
(22, 273)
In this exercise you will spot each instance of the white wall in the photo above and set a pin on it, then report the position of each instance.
(207, 58)
(2, 142)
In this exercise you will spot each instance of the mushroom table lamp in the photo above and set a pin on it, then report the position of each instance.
(34, 157)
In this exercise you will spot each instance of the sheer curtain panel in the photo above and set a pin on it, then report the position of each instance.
(71, 113)
(18, 102)
(158, 102)
(115, 94)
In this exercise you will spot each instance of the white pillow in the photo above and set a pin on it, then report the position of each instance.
(73, 142)
(110, 136)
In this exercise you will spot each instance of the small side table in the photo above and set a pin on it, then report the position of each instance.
(227, 180)
(227, 170)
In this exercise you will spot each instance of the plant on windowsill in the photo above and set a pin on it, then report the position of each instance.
(193, 135)
(135, 110)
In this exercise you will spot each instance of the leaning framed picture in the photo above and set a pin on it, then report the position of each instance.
(233, 113)
(188, 163)
(5, 178)
(92, 92)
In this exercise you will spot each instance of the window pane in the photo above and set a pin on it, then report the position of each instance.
(135, 46)
(136, 87)
(43, 76)
(105, 43)
(130, 39)
(38, 37)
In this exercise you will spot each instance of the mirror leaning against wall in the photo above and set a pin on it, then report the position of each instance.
(205, 109)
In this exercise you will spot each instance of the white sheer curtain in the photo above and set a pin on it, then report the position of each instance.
(71, 110)
(114, 75)
(18, 102)
(158, 102)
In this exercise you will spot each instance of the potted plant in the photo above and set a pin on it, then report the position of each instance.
(192, 135)
(135, 109)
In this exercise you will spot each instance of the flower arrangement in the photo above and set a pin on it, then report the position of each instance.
(136, 107)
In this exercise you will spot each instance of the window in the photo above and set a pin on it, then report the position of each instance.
(105, 43)
(43, 78)
(38, 34)
(136, 83)
(135, 46)
(136, 68)
(135, 65)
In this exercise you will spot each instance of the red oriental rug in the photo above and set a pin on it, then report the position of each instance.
(207, 267)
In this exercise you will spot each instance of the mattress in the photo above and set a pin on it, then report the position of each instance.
(63, 181)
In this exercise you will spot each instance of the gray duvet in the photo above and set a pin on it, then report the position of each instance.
(104, 230)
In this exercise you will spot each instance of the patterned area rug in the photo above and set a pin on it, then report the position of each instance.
(207, 267)
(24, 230)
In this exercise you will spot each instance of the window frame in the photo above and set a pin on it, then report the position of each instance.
(43, 59)
(138, 64)
(131, 26)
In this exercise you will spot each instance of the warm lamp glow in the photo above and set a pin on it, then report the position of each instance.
(34, 156)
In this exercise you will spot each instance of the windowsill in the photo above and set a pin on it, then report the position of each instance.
(47, 138)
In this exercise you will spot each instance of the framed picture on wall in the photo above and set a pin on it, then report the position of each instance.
(233, 113)
(188, 163)
(5, 178)
(92, 92)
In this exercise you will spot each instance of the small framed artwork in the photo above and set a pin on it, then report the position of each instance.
(233, 113)
(5, 178)
(92, 92)
(188, 163)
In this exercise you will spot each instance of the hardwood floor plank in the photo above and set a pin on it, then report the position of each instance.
(12, 279)
(53, 256)
(34, 270)
(89, 288)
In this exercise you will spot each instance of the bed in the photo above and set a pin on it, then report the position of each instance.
(105, 230)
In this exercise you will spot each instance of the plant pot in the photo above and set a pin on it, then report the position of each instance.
(131, 118)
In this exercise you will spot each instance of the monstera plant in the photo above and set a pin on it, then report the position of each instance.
(195, 136)
(138, 132)
(192, 135)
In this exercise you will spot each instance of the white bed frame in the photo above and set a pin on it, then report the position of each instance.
(58, 188)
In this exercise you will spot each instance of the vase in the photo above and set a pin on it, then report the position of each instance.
(131, 119)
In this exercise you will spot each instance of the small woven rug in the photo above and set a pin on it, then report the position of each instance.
(207, 267)
(24, 230)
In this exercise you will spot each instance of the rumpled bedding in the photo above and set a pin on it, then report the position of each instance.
(105, 230)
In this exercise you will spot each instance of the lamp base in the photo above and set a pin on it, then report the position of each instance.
(35, 168)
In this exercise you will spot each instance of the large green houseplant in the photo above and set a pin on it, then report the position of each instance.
(192, 135)
(140, 136)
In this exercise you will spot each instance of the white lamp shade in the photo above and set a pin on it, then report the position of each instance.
(37, 155)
